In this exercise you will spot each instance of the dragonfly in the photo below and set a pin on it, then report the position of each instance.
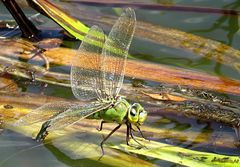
(97, 75)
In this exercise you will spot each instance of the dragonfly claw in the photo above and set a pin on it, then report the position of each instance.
(101, 144)
(141, 133)
(130, 134)
(101, 126)
(43, 132)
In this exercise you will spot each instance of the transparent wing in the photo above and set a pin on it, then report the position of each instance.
(115, 51)
(74, 114)
(86, 77)
(43, 113)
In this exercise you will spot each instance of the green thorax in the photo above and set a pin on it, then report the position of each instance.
(117, 113)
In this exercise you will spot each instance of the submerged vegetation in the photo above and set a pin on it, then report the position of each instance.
(190, 113)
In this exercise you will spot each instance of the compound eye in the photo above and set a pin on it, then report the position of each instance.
(142, 113)
(133, 112)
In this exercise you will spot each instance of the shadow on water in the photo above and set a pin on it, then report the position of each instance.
(18, 148)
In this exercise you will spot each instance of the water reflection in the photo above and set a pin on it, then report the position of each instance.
(175, 130)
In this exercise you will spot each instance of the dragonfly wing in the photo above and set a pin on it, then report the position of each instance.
(43, 113)
(115, 51)
(86, 77)
(74, 114)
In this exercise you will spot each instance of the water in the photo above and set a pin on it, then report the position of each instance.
(217, 27)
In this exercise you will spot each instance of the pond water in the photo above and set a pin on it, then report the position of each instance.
(16, 149)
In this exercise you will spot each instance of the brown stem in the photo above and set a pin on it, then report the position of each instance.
(27, 27)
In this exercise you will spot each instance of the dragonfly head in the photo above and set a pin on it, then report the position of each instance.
(136, 114)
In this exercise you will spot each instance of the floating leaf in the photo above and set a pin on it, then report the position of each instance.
(180, 155)
(165, 96)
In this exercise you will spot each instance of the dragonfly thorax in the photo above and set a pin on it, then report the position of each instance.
(136, 114)
(117, 112)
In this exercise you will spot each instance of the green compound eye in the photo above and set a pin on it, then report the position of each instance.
(133, 112)
(141, 113)
(142, 117)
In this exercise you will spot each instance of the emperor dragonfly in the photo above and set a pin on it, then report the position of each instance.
(97, 74)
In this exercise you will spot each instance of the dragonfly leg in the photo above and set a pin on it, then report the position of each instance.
(140, 132)
(43, 132)
(101, 126)
(133, 129)
(131, 134)
(127, 135)
(104, 140)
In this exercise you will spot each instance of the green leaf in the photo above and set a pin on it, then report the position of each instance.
(179, 155)
(71, 25)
